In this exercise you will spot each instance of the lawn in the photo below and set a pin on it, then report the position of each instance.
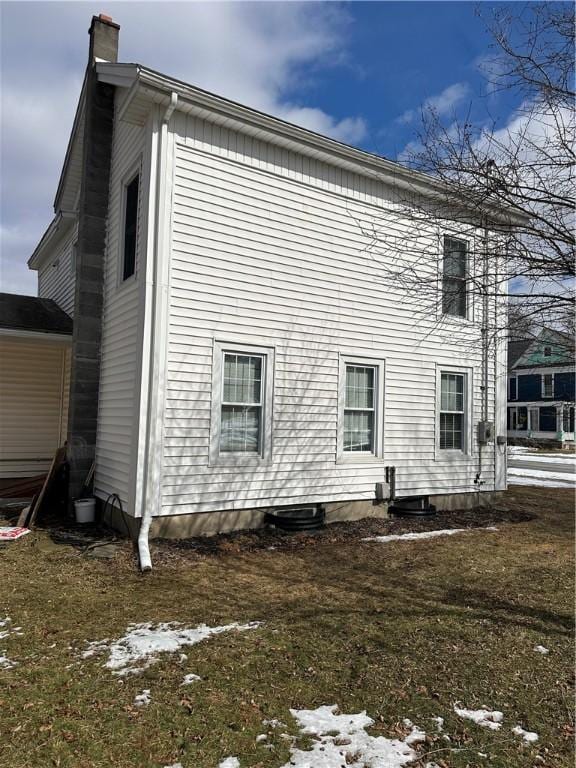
(404, 629)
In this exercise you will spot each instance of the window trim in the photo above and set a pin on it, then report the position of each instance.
(468, 447)
(127, 179)
(542, 386)
(355, 457)
(264, 456)
(470, 269)
(515, 398)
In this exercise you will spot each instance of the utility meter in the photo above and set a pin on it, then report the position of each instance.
(485, 432)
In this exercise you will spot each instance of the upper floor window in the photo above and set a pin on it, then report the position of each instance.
(452, 411)
(513, 388)
(547, 351)
(454, 269)
(547, 385)
(130, 227)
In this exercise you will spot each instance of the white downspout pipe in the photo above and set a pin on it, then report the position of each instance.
(159, 285)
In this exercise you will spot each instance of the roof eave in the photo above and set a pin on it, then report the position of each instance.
(57, 228)
(160, 87)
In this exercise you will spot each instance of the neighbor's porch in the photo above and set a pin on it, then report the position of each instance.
(535, 421)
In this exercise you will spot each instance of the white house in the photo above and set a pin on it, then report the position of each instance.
(234, 347)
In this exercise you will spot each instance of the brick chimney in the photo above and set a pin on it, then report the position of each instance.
(90, 250)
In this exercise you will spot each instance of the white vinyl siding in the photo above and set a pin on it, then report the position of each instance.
(267, 245)
(33, 405)
(118, 415)
(56, 276)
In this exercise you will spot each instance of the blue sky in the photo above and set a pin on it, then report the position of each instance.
(359, 72)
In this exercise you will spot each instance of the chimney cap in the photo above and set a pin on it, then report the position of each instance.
(103, 18)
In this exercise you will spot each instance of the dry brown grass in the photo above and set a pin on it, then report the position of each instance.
(400, 629)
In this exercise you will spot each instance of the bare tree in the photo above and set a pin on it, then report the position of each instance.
(491, 176)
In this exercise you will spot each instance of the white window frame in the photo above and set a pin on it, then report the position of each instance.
(533, 427)
(467, 448)
(470, 266)
(264, 456)
(510, 387)
(127, 179)
(513, 412)
(543, 386)
(346, 457)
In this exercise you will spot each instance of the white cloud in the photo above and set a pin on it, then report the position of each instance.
(442, 104)
(264, 55)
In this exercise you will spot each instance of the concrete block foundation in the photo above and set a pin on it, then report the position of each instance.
(225, 521)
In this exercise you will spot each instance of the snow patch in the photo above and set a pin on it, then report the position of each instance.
(528, 736)
(191, 678)
(342, 740)
(273, 723)
(142, 699)
(143, 643)
(541, 649)
(6, 629)
(484, 717)
(439, 723)
(425, 534)
(229, 762)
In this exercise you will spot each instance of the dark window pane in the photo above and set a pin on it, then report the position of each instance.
(513, 388)
(451, 431)
(130, 227)
(454, 258)
(454, 296)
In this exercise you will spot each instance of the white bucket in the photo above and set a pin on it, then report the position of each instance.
(85, 510)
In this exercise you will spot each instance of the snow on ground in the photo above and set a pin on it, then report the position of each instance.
(548, 470)
(6, 629)
(425, 534)
(528, 736)
(341, 740)
(484, 717)
(143, 643)
(191, 678)
(540, 477)
(143, 699)
(541, 649)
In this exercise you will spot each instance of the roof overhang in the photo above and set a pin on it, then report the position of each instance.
(146, 88)
(57, 230)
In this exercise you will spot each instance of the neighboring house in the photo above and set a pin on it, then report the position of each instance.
(35, 343)
(541, 389)
(234, 348)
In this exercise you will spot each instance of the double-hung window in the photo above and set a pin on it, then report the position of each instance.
(241, 415)
(241, 404)
(454, 276)
(513, 388)
(361, 409)
(452, 414)
(547, 385)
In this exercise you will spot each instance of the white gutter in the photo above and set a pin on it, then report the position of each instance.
(153, 457)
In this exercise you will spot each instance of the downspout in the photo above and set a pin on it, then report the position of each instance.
(485, 356)
(157, 306)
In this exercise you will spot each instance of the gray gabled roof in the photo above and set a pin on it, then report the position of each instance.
(29, 313)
